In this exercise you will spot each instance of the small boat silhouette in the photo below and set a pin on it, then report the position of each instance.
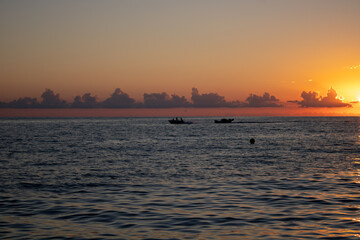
(224, 120)
(178, 121)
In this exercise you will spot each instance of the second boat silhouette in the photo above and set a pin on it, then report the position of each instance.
(224, 120)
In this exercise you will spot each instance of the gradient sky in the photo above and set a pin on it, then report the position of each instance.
(233, 48)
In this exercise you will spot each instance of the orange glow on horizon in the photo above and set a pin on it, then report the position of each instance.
(181, 112)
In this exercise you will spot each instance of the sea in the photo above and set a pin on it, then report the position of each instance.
(143, 178)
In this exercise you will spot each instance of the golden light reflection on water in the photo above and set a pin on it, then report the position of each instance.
(357, 181)
(356, 160)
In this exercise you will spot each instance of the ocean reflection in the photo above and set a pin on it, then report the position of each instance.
(144, 178)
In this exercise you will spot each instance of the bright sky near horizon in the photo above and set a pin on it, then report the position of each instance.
(232, 48)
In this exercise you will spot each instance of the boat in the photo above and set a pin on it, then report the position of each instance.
(178, 121)
(224, 120)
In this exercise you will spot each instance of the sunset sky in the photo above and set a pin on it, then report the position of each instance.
(232, 48)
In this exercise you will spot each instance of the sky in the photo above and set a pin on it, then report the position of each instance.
(232, 48)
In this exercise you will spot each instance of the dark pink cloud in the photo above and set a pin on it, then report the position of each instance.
(208, 99)
(266, 100)
(86, 101)
(118, 99)
(52, 100)
(163, 100)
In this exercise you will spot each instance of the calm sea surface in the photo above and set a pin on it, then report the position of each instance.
(143, 178)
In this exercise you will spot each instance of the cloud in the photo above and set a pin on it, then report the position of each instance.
(49, 100)
(215, 100)
(52, 100)
(118, 99)
(86, 101)
(266, 100)
(208, 99)
(25, 102)
(311, 99)
(162, 100)
(353, 67)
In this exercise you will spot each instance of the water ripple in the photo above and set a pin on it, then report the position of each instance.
(145, 179)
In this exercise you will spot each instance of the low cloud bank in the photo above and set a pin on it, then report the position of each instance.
(52, 100)
(311, 99)
(163, 100)
(266, 100)
(86, 101)
(215, 100)
(208, 99)
(120, 99)
(49, 100)
(26, 102)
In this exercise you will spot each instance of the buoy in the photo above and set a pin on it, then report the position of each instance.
(252, 141)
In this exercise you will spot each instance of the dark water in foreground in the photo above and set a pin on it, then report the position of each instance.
(142, 178)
